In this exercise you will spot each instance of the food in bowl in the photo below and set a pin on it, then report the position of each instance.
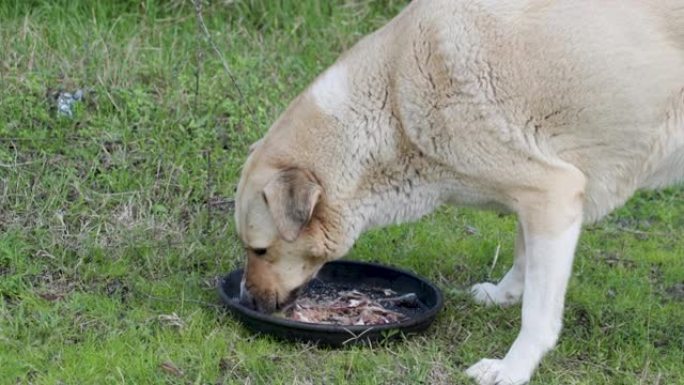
(327, 306)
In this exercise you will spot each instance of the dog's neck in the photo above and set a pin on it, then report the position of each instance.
(369, 144)
(372, 174)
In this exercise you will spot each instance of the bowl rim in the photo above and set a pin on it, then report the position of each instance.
(353, 330)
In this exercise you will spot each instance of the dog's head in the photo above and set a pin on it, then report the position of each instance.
(275, 217)
(289, 224)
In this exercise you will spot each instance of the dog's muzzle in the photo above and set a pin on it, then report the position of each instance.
(269, 305)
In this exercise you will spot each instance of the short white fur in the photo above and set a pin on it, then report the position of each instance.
(331, 89)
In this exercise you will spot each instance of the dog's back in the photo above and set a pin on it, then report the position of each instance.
(672, 14)
(599, 85)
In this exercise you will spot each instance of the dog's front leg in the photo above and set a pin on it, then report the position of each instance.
(551, 227)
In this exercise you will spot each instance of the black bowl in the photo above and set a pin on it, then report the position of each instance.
(347, 275)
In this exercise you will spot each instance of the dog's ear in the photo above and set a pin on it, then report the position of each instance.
(291, 197)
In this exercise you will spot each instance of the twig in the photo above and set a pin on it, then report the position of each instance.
(208, 192)
(197, 78)
(198, 55)
(355, 336)
(205, 30)
(639, 232)
(17, 165)
(496, 259)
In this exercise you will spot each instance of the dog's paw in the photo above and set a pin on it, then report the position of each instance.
(489, 294)
(495, 372)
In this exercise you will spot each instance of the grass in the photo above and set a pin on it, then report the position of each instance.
(115, 224)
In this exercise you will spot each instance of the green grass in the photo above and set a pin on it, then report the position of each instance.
(115, 225)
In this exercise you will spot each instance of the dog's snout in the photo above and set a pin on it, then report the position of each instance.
(267, 303)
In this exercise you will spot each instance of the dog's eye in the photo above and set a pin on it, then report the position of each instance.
(259, 251)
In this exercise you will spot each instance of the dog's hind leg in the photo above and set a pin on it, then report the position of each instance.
(510, 289)
(551, 218)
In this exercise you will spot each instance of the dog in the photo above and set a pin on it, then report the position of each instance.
(555, 111)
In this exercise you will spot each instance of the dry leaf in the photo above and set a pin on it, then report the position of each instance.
(171, 320)
(172, 369)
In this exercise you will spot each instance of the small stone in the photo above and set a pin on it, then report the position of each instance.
(470, 230)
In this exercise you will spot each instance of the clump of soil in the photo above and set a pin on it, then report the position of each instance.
(676, 291)
(330, 305)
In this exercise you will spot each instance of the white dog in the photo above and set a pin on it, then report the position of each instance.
(557, 111)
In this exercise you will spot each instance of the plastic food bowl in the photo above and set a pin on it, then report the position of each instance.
(345, 275)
